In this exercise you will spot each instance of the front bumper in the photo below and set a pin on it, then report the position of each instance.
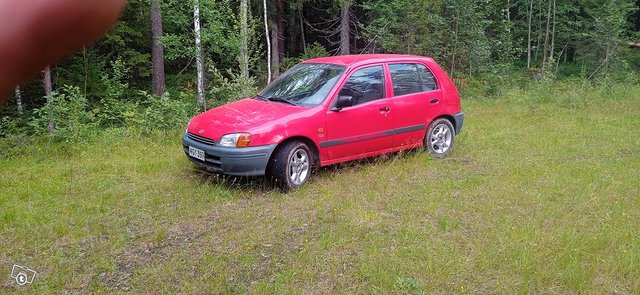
(459, 120)
(249, 161)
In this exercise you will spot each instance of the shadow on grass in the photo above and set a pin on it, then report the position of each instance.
(233, 182)
(260, 183)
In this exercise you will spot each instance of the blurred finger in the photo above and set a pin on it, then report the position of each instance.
(38, 33)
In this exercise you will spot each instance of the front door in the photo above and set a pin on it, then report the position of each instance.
(365, 127)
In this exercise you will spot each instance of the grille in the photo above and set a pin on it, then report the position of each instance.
(201, 139)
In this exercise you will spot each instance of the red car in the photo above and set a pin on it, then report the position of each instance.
(329, 110)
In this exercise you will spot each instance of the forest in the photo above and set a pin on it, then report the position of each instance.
(166, 60)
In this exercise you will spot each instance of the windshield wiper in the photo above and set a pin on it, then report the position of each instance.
(280, 99)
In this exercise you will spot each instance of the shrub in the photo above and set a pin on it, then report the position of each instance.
(223, 90)
(113, 109)
(312, 51)
(68, 113)
(164, 113)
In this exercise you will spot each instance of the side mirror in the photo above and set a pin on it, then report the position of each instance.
(343, 102)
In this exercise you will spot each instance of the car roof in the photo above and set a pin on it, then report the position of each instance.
(356, 60)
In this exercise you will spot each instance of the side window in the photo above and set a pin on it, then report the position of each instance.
(365, 85)
(411, 78)
(427, 80)
(405, 79)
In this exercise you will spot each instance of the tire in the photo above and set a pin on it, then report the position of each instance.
(291, 166)
(440, 138)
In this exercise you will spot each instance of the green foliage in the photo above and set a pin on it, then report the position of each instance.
(69, 113)
(74, 120)
(604, 27)
(220, 32)
(312, 51)
(223, 90)
(164, 112)
(114, 109)
(12, 122)
(452, 32)
(408, 286)
(12, 125)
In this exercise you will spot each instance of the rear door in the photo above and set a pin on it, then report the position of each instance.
(417, 100)
(365, 127)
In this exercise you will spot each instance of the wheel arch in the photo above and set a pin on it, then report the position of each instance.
(310, 143)
(449, 118)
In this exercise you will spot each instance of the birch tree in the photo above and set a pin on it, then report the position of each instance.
(199, 58)
(530, 16)
(266, 34)
(546, 37)
(48, 90)
(244, 46)
(19, 99)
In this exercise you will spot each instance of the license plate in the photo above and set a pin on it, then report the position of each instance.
(196, 153)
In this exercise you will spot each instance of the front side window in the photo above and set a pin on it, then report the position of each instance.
(411, 78)
(304, 84)
(365, 85)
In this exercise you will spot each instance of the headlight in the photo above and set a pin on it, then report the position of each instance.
(235, 140)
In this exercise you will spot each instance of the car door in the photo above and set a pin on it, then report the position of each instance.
(417, 100)
(365, 127)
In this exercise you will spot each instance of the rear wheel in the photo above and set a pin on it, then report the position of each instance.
(440, 138)
(291, 166)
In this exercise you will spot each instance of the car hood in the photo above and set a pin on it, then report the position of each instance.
(240, 116)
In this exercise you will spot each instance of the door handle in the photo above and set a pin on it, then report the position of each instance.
(384, 109)
(433, 100)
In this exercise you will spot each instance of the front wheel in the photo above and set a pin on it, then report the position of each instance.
(440, 138)
(291, 166)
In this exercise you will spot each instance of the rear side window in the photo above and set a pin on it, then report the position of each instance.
(365, 85)
(411, 78)
(427, 80)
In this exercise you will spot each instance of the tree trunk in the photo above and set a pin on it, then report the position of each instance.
(293, 31)
(275, 51)
(546, 37)
(157, 51)
(244, 46)
(86, 69)
(280, 15)
(530, 12)
(455, 44)
(345, 34)
(553, 32)
(19, 99)
(539, 31)
(301, 19)
(48, 87)
(266, 34)
(48, 90)
(199, 58)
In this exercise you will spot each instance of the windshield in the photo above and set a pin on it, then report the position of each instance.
(305, 84)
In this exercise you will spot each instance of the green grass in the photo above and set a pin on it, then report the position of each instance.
(541, 195)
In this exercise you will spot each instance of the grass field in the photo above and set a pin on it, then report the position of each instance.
(541, 195)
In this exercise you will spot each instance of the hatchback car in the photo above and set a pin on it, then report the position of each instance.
(329, 110)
